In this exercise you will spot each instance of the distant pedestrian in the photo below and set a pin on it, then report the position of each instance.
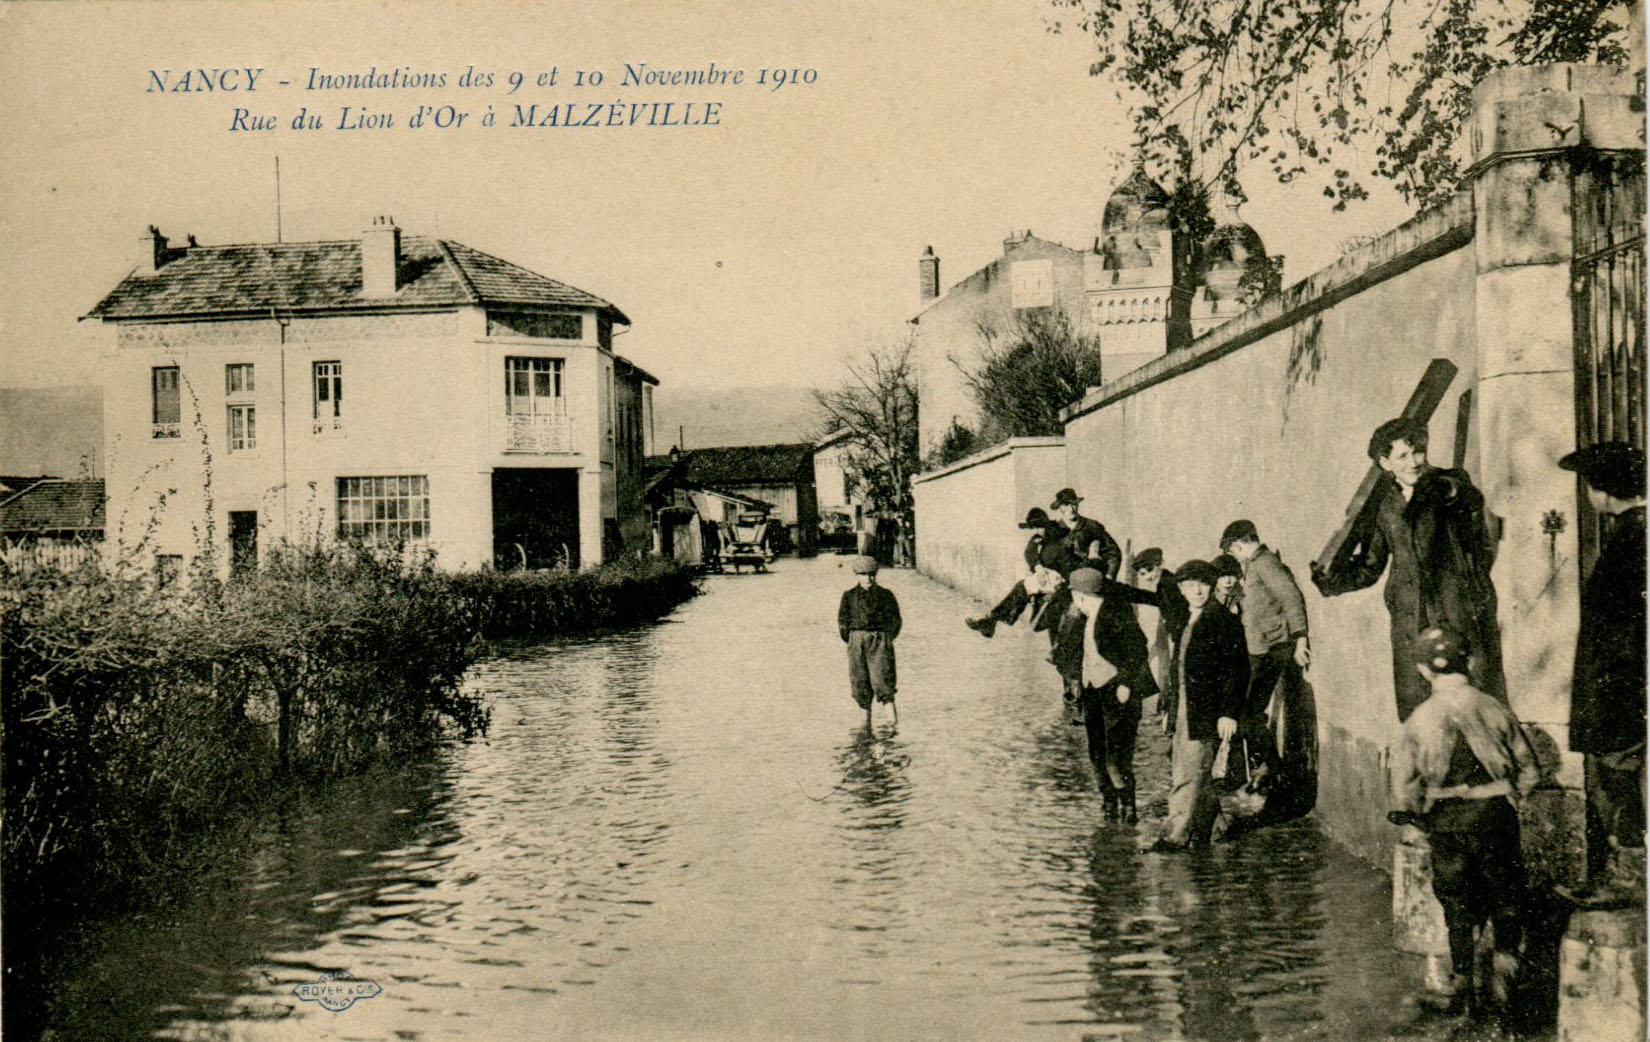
(1607, 717)
(1112, 660)
(868, 620)
(1459, 770)
(1431, 525)
(1212, 676)
(1038, 582)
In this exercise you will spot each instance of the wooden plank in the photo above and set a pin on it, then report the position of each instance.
(1420, 407)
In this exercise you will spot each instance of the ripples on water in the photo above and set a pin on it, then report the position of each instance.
(682, 832)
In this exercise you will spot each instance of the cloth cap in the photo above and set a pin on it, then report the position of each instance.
(1085, 580)
(1151, 557)
(1226, 564)
(1441, 649)
(1612, 467)
(1035, 518)
(1064, 496)
(864, 565)
(1196, 571)
(1237, 530)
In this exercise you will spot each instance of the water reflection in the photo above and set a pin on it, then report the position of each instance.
(665, 823)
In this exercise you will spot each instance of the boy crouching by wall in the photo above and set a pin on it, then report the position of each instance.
(1459, 768)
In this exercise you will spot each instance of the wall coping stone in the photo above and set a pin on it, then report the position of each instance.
(1424, 237)
(1001, 449)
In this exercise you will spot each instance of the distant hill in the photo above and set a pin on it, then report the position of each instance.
(733, 416)
(52, 430)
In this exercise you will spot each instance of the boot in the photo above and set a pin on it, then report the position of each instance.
(1109, 797)
(985, 625)
(1620, 885)
(1130, 815)
(1453, 1002)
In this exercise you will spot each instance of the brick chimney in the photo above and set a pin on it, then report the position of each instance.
(928, 274)
(380, 258)
(151, 251)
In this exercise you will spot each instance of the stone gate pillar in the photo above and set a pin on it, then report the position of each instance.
(1528, 126)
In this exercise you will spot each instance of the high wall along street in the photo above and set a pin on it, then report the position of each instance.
(1529, 283)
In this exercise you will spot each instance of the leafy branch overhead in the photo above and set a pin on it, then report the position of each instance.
(1318, 85)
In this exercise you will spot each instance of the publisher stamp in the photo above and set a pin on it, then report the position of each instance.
(337, 991)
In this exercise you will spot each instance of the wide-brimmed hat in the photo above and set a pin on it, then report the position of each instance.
(1196, 570)
(1613, 467)
(1036, 517)
(1064, 496)
(864, 564)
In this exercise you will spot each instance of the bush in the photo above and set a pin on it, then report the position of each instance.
(548, 604)
(137, 718)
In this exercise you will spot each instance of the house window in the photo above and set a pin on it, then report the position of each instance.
(237, 379)
(533, 387)
(167, 407)
(168, 570)
(384, 510)
(243, 428)
(329, 396)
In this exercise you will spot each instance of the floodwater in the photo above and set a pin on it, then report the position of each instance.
(683, 832)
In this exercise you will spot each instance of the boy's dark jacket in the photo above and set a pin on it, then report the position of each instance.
(1117, 637)
(1607, 693)
(1217, 671)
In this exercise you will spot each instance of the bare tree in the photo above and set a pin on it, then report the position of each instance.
(876, 406)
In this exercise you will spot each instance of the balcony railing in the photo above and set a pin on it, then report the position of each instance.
(538, 434)
(328, 427)
(166, 430)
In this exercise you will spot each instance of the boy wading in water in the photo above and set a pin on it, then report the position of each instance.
(1459, 767)
(868, 620)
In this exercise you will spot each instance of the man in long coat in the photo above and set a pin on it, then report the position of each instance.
(1607, 711)
(1430, 525)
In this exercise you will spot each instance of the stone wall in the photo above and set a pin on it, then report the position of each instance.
(967, 513)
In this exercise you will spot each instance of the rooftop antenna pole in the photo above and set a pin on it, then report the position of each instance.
(681, 439)
(277, 198)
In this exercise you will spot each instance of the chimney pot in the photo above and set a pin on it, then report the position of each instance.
(928, 274)
(151, 251)
(380, 258)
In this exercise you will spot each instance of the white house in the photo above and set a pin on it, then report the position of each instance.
(390, 388)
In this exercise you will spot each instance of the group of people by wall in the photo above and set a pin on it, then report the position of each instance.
(1225, 644)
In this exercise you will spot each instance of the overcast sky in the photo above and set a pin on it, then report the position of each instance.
(758, 251)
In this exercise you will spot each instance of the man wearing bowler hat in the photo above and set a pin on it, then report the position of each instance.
(1607, 717)
(1086, 537)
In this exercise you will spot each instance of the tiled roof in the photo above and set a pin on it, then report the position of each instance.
(293, 277)
(11, 484)
(747, 465)
(55, 505)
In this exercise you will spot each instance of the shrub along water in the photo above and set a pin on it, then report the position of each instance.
(139, 718)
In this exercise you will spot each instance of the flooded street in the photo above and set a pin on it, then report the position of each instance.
(682, 832)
